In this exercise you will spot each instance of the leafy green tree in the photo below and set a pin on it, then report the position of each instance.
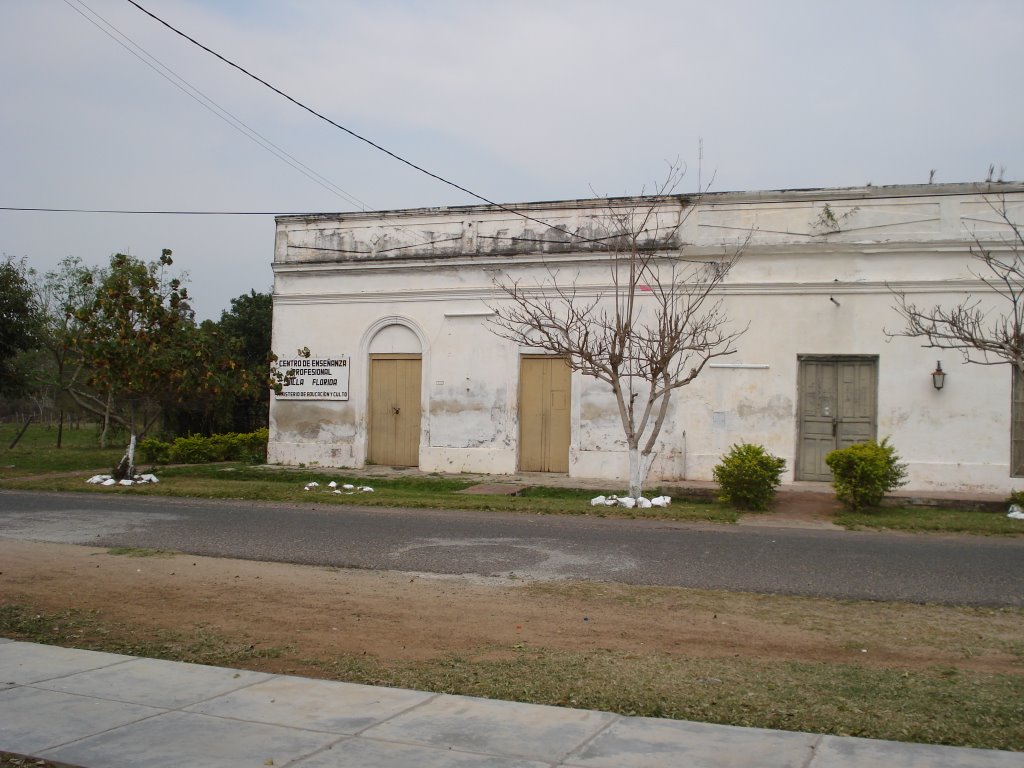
(132, 339)
(249, 321)
(18, 324)
(121, 344)
(214, 385)
(226, 378)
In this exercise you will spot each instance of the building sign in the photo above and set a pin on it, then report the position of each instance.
(313, 378)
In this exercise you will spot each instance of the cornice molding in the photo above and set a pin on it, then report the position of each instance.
(489, 295)
(707, 199)
(823, 248)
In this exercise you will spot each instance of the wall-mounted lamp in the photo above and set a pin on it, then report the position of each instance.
(938, 375)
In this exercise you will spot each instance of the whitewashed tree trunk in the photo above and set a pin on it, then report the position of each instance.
(131, 456)
(639, 465)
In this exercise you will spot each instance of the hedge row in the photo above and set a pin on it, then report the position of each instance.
(196, 449)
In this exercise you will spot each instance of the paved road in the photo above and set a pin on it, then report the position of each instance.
(891, 567)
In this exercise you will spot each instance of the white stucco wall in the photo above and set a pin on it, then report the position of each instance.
(422, 281)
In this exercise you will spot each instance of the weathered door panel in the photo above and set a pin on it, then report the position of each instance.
(545, 395)
(857, 388)
(837, 408)
(1017, 426)
(394, 423)
(817, 415)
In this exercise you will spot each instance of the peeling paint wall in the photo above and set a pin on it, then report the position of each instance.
(814, 280)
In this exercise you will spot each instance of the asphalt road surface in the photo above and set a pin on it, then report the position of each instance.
(875, 566)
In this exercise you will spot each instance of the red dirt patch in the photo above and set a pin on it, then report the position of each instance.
(322, 613)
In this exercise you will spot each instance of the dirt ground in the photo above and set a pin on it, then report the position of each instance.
(799, 509)
(319, 613)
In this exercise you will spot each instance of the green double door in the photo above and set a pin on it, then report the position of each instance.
(838, 407)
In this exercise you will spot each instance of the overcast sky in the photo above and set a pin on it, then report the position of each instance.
(517, 101)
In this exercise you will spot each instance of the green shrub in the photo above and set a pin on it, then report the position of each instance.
(222, 446)
(194, 449)
(863, 473)
(153, 451)
(252, 446)
(1016, 497)
(230, 446)
(748, 476)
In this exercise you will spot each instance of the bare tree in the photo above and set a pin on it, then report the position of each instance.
(652, 330)
(983, 332)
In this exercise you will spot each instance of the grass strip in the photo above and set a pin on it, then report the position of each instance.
(927, 519)
(941, 705)
(89, 630)
(37, 452)
(244, 482)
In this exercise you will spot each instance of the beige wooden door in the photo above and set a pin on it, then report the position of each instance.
(837, 409)
(395, 410)
(545, 393)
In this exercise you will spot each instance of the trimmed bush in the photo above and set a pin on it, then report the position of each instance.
(153, 451)
(196, 449)
(748, 476)
(864, 472)
(252, 446)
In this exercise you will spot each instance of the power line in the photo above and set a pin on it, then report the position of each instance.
(210, 105)
(349, 131)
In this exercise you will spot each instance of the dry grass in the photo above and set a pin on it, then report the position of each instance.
(972, 695)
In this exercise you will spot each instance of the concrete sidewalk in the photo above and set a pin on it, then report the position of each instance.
(99, 709)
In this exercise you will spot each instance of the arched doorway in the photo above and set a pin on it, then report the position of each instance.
(394, 410)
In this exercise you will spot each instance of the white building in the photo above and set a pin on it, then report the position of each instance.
(393, 307)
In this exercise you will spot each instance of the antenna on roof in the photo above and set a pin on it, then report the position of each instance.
(700, 162)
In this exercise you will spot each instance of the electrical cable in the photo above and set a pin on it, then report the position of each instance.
(209, 104)
(349, 131)
(336, 190)
(235, 122)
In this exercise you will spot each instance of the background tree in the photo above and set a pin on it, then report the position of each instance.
(249, 322)
(651, 332)
(55, 369)
(224, 385)
(121, 344)
(18, 324)
(983, 331)
(132, 337)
